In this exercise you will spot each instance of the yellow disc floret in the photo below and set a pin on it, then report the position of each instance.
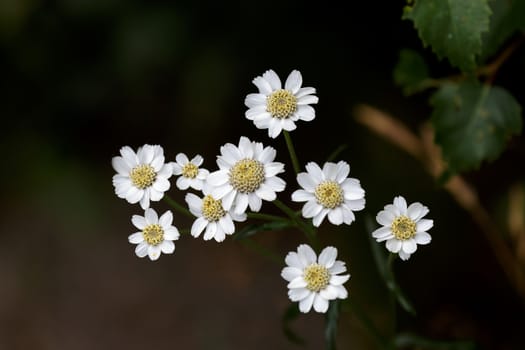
(153, 234)
(247, 175)
(329, 194)
(403, 228)
(281, 104)
(190, 170)
(143, 176)
(317, 277)
(212, 209)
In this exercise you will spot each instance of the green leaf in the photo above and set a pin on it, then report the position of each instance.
(406, 340)
(252, 229)
(452, 28)
(410, 71)
(385, 269)
(473, 122)
(332, 317)
(508, 16)
(291, 313)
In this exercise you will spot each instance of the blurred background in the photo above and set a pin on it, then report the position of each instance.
(81, 78)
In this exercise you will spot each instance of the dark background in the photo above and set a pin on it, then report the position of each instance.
(81, 78)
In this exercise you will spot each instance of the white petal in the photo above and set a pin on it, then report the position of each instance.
(311, 209)
(231, 153)
(294, 81)
(298, 294)
(306, 112)
(335, 216)
(401, 204)
(348, 215)
(290, 273)
(306, 181)
(385, 218)
(166, 219)
(297, 282)
(307, 99)
(273, 169)
(320, 304)
(253, 100)
(273, 79)
(267, 155)
(382, 234)
(241, 203)
(144, 201)
(355, 204)
(245, 147)
(292, 260)
(129, 156)
(183, 183)
(136, 238)
(228, 199)
(275, 128)
(211, 230)
(329, 293)
(142, 249)
(305, 91)
(302, 196)
(139, 222)
(424, 225)
(306, 254)
(330, 170)
(422, 238)
(393, 245)
(315, 172)
(151, 216)
(288, 124)
(198, 226)
(263, 85)
(227, 225)
(134, 195)
(194, 202)
(218, 178)
(167, 247)
(120, 165)
(342, 293)
(414, 210)
(254, 202)
(157, 163)
(222, 191)
(219, 235)
(327, 257)
(343, 169)
(305, 305)
(409, 246)
(197, 160)
(337, 280)
(338, 267)
(171, 233)
(161, 185)
(154, 252)
(403, 255)
(318, 219)
(182, 159)
(177, 169)
(265, 192)
(166, 171)
(155, 195)
(146, 154)
(275, 184)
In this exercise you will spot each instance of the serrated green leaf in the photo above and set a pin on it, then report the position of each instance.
(452, 28)
(291, 313)
(410, 71)
(473, 122)
(252, 229)
(332, 318)
(406, 340)
(508, 16)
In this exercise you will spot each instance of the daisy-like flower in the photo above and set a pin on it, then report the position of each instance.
(156, 235)
(212, 217)
(246, 176)
(329, 191)
(141, 176)
(190, 173)
(312, 281)
(275, 108)
(403, 227)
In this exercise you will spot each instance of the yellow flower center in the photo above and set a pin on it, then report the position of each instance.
(281, 104)
(247, 175)
(212, 208)
(329, 194)
(143, 176)
(403, 228)
(153, 234)
(190, 170)
(317, 277)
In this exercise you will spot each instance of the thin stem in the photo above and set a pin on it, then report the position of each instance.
(268, 217)
(308, 230)
(177, 207)
(291, 150)
(367, 323)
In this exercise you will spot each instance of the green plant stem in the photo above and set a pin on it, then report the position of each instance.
(177, 207)
(291, 150)
(307, 229)
(268, 217)
(263, 251)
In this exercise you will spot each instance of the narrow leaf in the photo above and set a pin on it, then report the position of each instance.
(473, 122)
(453, 28)
(252, 229)
(291, 313)
(330, 331)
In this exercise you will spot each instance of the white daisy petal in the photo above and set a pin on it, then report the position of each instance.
(306, 254)
(154, 252)
(294, 81)
(409, 246)
(290, 273)
(318, 219)
(307, 99)
(273, 79)
(306, 181)
(424, 225)
(315, 172)
(142, 249)
(263, 85)
(328, 256)
(198, 226)
(253, 100)
(166, 219)
(306, 112)
(136, 238)
(311, 209)
(297, 282)
(305, 91)
(401, 204)
(298, 294)
(139, 221)
(151, 216)
(320, 304)
(393, 245)
(335, 216)
(403, 255)
(120, 165)
(422, 238)
(167, 247)
(305, 305)
(302, 196)
(385, 218)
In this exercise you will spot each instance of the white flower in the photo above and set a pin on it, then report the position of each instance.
(247, 175)
(156, 235)
(329, 191)
(142, 176)
(191, 175)
(274, 108)
(212, 217)
(403, 228)
(314, 281)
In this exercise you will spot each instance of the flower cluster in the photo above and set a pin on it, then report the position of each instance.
(246, 176)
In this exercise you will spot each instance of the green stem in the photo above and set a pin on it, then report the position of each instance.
(307, 229)
(177, 207)
(291, 150)
(367, 323)
(259, 249)
(268, 217)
